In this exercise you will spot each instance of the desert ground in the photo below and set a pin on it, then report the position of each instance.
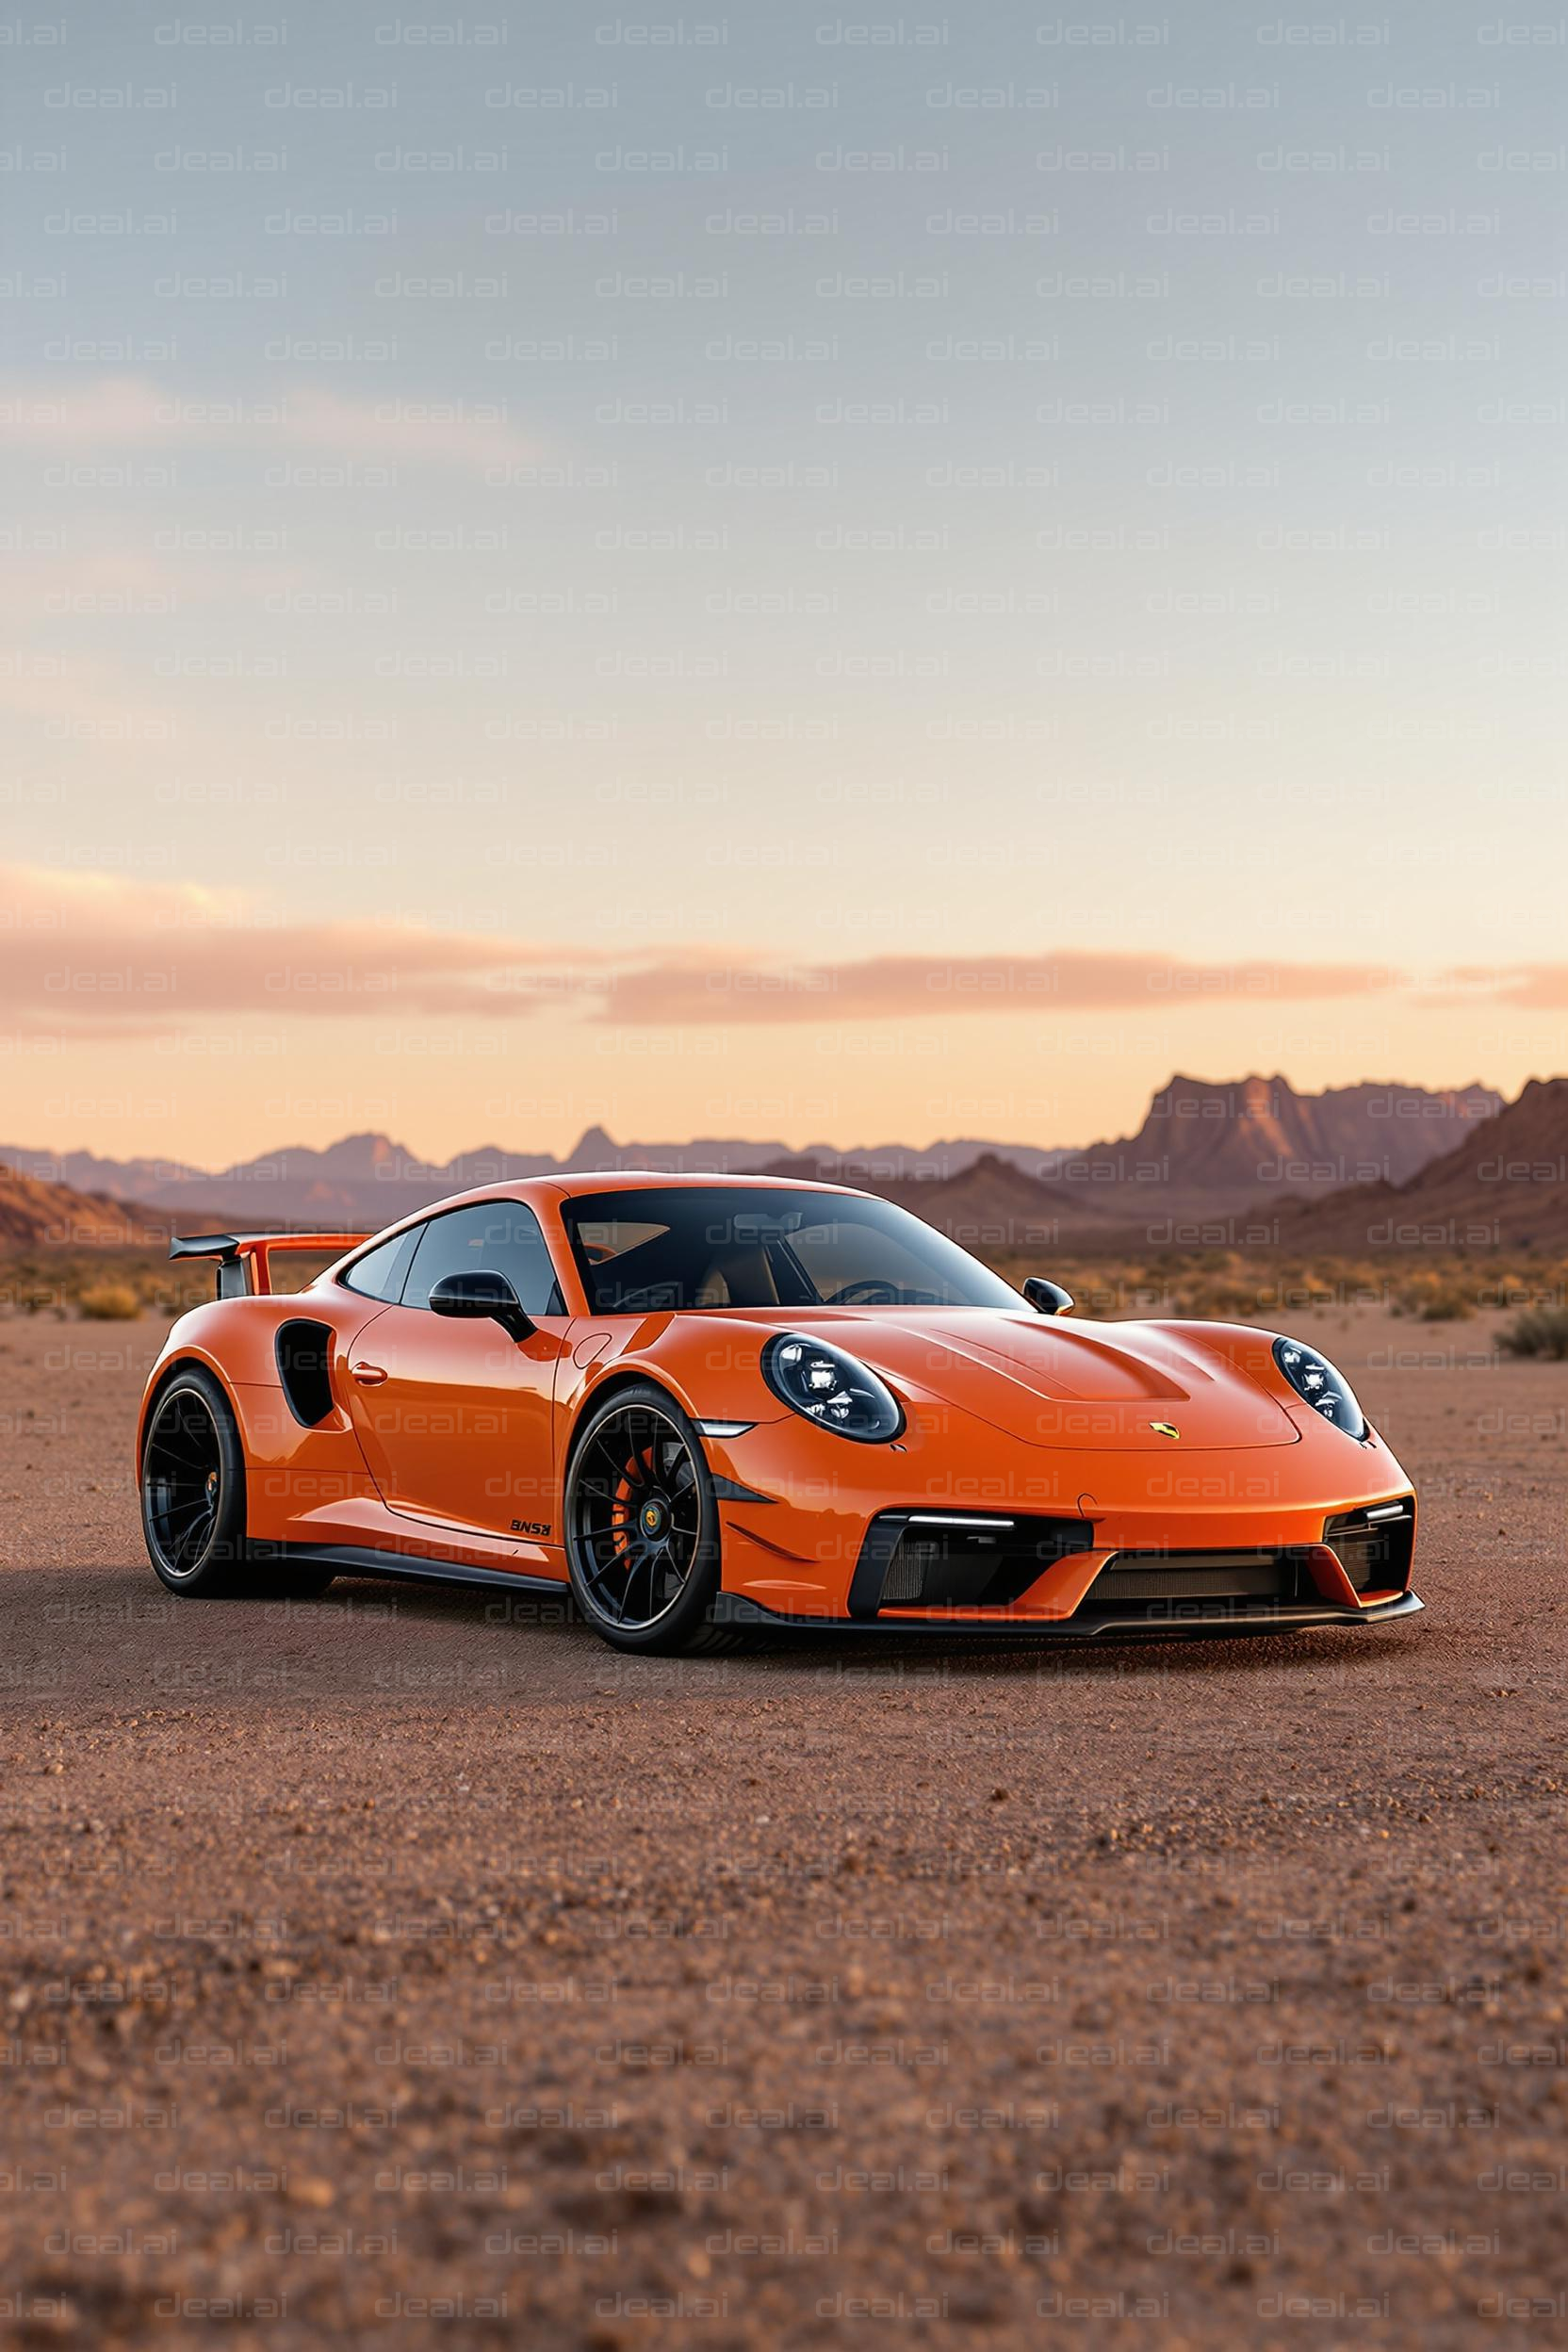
(403, 1967)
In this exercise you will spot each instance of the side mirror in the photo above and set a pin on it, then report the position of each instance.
(1047, 1297)
(479, 1297)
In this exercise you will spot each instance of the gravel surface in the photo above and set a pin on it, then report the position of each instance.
(409, 1968)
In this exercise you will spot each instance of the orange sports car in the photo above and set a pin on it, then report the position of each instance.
(711, 1405)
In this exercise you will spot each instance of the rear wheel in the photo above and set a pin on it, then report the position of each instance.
(643, 1527)
(193, 1498)
(193, 1487)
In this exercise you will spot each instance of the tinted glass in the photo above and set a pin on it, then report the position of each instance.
(639, 1252)
(492, 1237)
(378, 1272)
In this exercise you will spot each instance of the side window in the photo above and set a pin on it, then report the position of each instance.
(379, 1273)
(494, 1237)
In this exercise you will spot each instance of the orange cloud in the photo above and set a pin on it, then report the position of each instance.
(94, 955)
(1541, 987)
(903, 988)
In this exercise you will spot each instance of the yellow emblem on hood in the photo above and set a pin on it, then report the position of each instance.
(1165, 1428)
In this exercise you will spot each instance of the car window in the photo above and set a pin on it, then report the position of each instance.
(492, 1237)
(601, 1238)
(379, 1273)
(681, 1247)
(868, 1261)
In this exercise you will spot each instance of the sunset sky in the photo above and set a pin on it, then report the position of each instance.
(840, 577)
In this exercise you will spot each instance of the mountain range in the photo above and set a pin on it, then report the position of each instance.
(1205, 1151)
(36, 1213)
(1504, 1185)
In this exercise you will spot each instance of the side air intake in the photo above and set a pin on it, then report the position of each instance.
(303, 1351)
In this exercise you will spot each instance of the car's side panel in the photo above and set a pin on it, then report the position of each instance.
(457, 1419)
(236, 1338)
(702, 1367)
(294, 1475)
(363, 1524)
(290, 1471)
(315, 1485)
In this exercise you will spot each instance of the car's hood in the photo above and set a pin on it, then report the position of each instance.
(1053, 1382)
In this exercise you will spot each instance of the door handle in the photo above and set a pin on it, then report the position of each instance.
(368, 1375)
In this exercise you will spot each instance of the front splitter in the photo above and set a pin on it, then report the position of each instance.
(734, 1609)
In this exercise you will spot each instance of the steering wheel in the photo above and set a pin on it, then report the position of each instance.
(869, 1292)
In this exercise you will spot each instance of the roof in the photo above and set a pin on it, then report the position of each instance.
(559, 1188)
(647, 1179)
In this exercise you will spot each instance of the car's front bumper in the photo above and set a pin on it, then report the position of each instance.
(802, 1512)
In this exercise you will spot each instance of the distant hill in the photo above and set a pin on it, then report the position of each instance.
(1503, 1186)
(361, 1183)
(1205, 1150)
(994, 1204)
(1250, 1162)
(86, 1171)
(1211, 1163)
(38, 1215)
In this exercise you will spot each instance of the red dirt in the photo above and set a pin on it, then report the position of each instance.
(390, 1968)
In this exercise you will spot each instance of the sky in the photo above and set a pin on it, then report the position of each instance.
(831, 573)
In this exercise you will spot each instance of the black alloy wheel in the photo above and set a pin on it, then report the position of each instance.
(193, 1498)
(642, 1526)
(183, 1485)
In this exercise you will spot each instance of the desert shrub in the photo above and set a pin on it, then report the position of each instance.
(59, 1280)
(1269, 1288)
(109, 1303)
(1436, 1296)
(1445, 1306)
(1539, 1332)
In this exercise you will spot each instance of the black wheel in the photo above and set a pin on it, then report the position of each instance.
(193, 1499)
(643, 1527)
(193, 1487)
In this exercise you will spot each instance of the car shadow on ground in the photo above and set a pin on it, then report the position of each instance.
(832, 1655)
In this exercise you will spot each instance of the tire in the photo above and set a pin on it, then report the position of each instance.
(641, 1524)
(192, 1480)
(192, 1483)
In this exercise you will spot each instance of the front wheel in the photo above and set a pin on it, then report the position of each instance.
(643, 1527)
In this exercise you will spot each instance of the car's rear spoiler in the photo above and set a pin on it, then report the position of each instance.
(244, 1260)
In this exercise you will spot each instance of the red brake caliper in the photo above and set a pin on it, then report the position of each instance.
(625, 1510)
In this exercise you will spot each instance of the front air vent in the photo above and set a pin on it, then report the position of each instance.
(958, 1559)
(1374, 1545)
(304, 1353)
(907, 1570)
(1144, 1579)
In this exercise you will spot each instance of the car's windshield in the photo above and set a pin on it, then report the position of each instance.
(729, 1246)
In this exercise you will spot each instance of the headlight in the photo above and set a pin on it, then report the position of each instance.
(1316, 1382)
(828, 1386)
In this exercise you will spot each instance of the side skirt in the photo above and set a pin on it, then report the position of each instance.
(355, 1560)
